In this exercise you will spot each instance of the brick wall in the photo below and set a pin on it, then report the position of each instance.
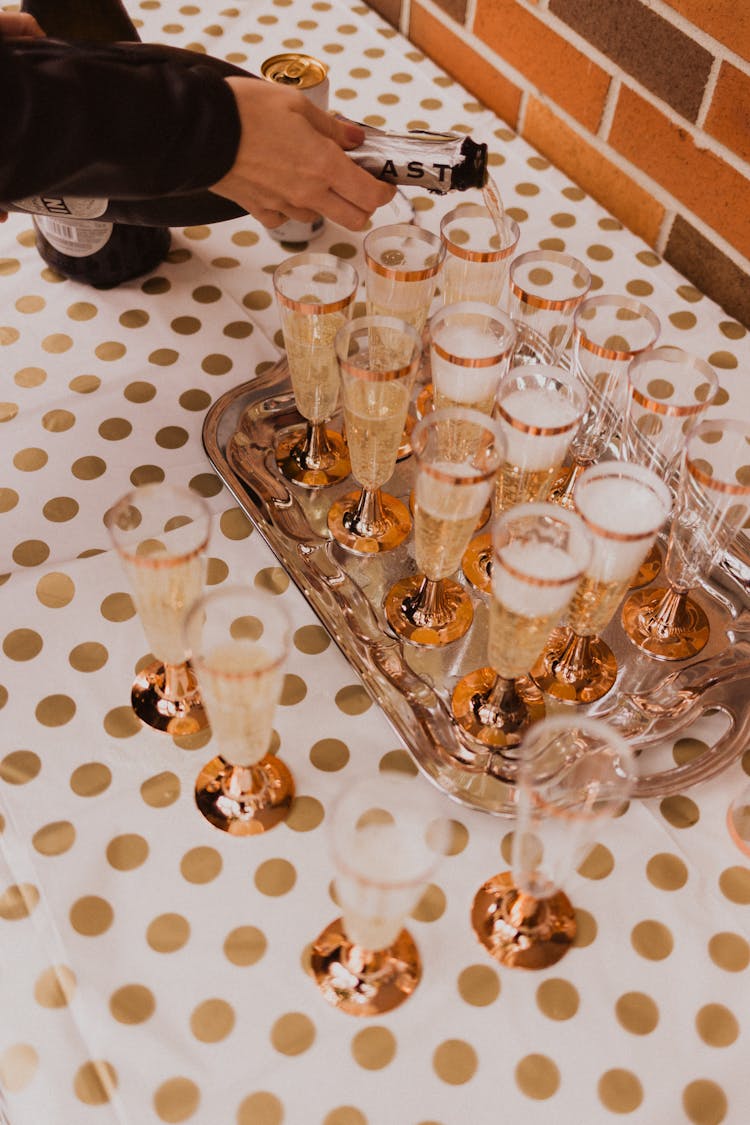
(643, 103)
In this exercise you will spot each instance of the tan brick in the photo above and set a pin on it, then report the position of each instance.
(729, 113)
(550, 62)
(725, 20)
(464, 64)
(711, 188)
(592, 171)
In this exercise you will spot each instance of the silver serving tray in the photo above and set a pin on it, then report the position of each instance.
(652, 703)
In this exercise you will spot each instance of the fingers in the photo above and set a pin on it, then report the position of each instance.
(20, 25)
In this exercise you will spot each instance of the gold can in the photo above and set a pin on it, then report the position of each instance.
(304, 72)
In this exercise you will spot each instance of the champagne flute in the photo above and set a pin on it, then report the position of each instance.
(545, 289)
(609, 331)
(378, 361)
(538, 408)
(713, 503)
(458, 453)
(314, 294)
(161, 533)
(478, 254)
(669, 390)
(239, 640)
(623, 507)
(540, 554)
(738, 820)
(470, 348)
(574, 775)
(387, 835)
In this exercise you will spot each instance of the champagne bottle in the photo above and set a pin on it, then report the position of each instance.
(98, 252)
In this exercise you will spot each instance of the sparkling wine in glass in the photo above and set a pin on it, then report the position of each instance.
(239, 640)
(545, 289)
(378, 360)
(160, 533)
(314, 295)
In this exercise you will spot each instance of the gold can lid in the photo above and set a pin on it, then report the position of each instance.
(293, 69)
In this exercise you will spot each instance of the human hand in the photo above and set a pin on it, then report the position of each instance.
(291, 161)
(19, 26)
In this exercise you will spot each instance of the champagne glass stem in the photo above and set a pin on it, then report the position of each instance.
(670, 617)
(178, 682)
(562, 493)
(428, 606)
(574, 660)
(502, 706)
(316, 444)
(249, 784)
(367, 964)
(368, 519)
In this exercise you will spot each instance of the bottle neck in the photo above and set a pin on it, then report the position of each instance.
(93, 21)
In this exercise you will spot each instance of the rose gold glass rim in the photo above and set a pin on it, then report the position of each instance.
(405, 275)
(368, 376)
(531, 580)
(325, 261)
(535, 431)
(725, 426)
(239, 677)
(162, 563)
(468, 361)
(477, 210)
(535, 300)
(621, 536)
(133, 499)
(605, 300)
(466, 415)
(667, 408)
(716, 485)
(621, 470)
(309, 308)
(451, 478)
(410, 231)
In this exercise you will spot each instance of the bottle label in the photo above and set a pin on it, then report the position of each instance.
(63, 206)
(76, 239)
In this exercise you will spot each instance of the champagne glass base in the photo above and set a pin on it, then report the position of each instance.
(477, 563)
(474, 689)
(519, 931)
(361, 983)
(404, 449)
(575, 684)
(684, 641)
(424, 403)
(649, 569)
(396, 525)
(244, 814)
(296, 465)
(459, 613)
(174, 716)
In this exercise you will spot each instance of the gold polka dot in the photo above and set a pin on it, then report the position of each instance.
(55, 710)
(88, 657)
(218, 364)
(57, 343)
(121, 722)
(9, 266)
(186, 325)
(275, 877)
(127, 852)
(537, 1077)
(293, 1033)
(637, 1013)
(478, 985)
(168, 933)
(726, 361)
(176, 1100)
(30, 460)
(85, 384)
(54, 987)
(398, 761)
(91, 915)
(293, 690)
(455, 1061)
(245, 945)
(716, 1025)
(115, 429)
(171, 437)
(305, 815)
(260, 1108)
(139, 391)
(201, 865)
(373, 1048)
(146, 474)
(687, 750)
(729, 951)
(272, 579)
(329, 754)
(19, 767)
(431, 905)
(132, 1004)
(161, 790)
(620, 1091)
(652, 940)
(704, 1102)
(18, 901)
(194, 741)
(8, 499)
(91, 779)
(58, 421)
(88, 468)
(734, 883)
(212, 1021)
(195, 400)
(353, 700)
(32, 552)
(8, 411)
(22, 644)
(18, 1065)
(558, 999)
(134, 318)
(55, 838)
(164, 357)
(60, 509)
(55, 590)
(110, 350)
(117, 607)
(680, 811)
(311, 639)
(667, 872)
(82, 310)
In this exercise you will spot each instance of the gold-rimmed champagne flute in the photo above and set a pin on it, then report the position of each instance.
(574, 775)
(314, 295)
(458, 453)
(239, 640)
(478, 254)
(713, 503)
(538, 408)
(669, 391)
(623, 507)
(378, 359)
(388, 835)
(160, 532)
(609, 331)
(545, 289)
(541, 552)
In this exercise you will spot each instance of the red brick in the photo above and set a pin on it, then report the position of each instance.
(725, 20)
(712, 189)
(390, 10)
(464, 64)
(587, 167)
(551, 63)
(729, 113)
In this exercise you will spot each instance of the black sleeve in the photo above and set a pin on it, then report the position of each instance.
(126, 120)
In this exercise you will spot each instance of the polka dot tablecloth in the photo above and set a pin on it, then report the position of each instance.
(152, 970)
